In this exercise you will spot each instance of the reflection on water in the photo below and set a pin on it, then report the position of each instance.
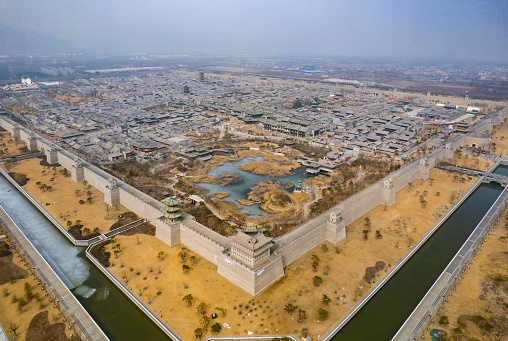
(240, 189)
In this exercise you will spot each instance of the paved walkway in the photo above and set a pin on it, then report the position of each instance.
(71, 308)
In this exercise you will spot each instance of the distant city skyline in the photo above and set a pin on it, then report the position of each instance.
(451, 30)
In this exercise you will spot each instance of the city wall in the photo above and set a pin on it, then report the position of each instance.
(252, 281)
(211, 245)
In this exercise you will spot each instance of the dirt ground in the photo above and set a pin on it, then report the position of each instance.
(499, 140)
(8, 147)
(9, 312)
(62, 199)
(8, 269)
(399, 225)
(483, 292)
(472, 162)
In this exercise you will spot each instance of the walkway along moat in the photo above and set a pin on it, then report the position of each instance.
(116, 315)
(387, 310)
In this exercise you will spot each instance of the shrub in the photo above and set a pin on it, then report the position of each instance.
(216, 328)
(323, 314)
(443, 320)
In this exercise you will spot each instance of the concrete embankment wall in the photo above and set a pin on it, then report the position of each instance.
(83, 324)
(41, 208)
(431, 303)
(149, 312)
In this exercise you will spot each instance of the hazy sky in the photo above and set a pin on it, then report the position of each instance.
(460, 29)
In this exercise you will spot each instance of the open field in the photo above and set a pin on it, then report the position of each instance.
(347, 278)
(62, 201)
(20, 308)
(477, 309)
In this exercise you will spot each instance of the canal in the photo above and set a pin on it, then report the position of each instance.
(501, 170)
(387, 310)
(116, 315)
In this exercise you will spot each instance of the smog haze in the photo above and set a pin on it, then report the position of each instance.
(473, 30)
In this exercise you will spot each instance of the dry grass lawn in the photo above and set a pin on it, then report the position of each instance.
(472, 162)
(8, 146)
(9, 312)
(499, 141)
(400, 225)
(270, 168)
(62, 199)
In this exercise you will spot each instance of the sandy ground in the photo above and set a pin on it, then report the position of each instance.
(491, 261)
(400, 225)
(9, 311)
(64, 203)
(8, 146)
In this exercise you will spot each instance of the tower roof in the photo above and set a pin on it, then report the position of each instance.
(171, 201)
(252, 243)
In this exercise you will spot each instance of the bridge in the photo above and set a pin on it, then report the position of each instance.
(315, 167)
(487, 176)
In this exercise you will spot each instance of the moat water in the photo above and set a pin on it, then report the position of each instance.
(387, 310)
(501, 170)
(241, 188)
(115, 314)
